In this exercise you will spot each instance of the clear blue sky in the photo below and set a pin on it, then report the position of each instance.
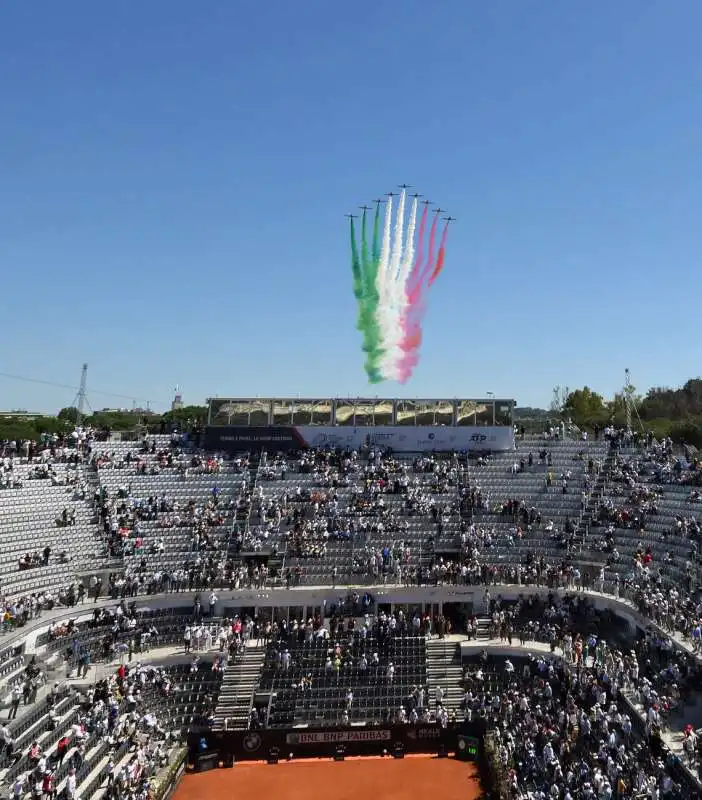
(173, 179)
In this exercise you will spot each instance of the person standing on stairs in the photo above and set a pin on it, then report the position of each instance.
(438, 696)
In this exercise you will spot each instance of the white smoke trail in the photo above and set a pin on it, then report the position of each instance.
(384, 266)
(387, 289)
(386, 321)
(408, 251)
(390, 363)
(396, 257)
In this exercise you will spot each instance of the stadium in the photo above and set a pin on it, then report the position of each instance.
(384, 595)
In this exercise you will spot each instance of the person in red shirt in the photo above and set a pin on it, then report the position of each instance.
(49, 786)
(61, 749)
(34, 754)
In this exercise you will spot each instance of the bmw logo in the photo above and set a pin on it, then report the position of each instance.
(252, 742)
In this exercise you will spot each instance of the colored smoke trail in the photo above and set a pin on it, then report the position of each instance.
(385, 308)
(396, 257)
(375, 252)
(393, 269)
(356, 266)
(420, 248)
(367, 321)
(411, 334)
(389, 260)
(417, 288)
(397, 300)
(385, 250)
(440, 258)
(373, 359)
(417, 305)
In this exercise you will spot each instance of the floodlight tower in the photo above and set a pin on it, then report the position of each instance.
(630, 407)
(81, 399)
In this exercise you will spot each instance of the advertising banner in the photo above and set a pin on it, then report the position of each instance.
(400, 438)
(242, 438)
(306, 742)
(410, 439)
(335, 737)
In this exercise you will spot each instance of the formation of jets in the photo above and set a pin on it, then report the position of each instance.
(416, 196)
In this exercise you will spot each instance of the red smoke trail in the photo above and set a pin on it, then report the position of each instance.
(419, 257)
(417, 285)
(440, 258)
(412, 339)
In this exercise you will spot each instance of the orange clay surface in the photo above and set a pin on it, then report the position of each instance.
(371, 778)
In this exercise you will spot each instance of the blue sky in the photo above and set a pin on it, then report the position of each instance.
(173, 179)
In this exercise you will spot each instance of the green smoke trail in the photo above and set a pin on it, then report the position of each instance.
(376, 235)
(356, 266)
(361, 269)
(367, 322)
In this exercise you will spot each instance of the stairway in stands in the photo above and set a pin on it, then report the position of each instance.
(239, 683)
(242, 518)
(444, 669)
(598, 490)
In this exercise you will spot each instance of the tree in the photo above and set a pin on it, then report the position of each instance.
(586, 408)
(689, 432)
(675, 404)
(187, 417)
(69, 414)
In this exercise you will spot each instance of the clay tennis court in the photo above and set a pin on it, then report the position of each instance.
(320, 779)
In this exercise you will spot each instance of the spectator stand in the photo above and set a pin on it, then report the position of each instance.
(334, 673)
(169, 513)
(122, 726)
(40, 493)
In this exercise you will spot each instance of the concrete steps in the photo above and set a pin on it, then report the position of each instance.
(238, 686)
(444, 669)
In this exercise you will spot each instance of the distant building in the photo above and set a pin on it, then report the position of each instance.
(19, 413)
(177, 400)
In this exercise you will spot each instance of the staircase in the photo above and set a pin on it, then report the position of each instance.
(101, 556)
(241, 518)
(483, 628)
(596, 494)
(444, 669)
(238, 685)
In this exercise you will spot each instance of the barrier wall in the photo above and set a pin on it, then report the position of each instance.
(401, 438)
(255, 745)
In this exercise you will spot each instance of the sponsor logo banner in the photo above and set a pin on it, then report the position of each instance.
(333, 737)
(252, 742)
(402, 439)
(408, 439)
(239, 438)
(425, 733)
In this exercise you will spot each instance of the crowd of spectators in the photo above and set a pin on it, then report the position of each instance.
(118, 721)
(567, 721)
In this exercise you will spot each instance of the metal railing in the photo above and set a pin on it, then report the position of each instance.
(238, 660)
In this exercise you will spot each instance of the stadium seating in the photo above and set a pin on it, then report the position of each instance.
(646, 506)
(45, 503)
(171, 699)
(310, 679)
(540, 514)
(164, 543)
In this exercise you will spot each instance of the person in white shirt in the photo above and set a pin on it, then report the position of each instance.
(71, 785)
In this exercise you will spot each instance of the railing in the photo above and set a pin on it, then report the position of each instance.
(232, 664)
(163, 785)
(447, 650)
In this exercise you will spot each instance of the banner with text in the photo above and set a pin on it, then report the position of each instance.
(410, 439)
(401, 438)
